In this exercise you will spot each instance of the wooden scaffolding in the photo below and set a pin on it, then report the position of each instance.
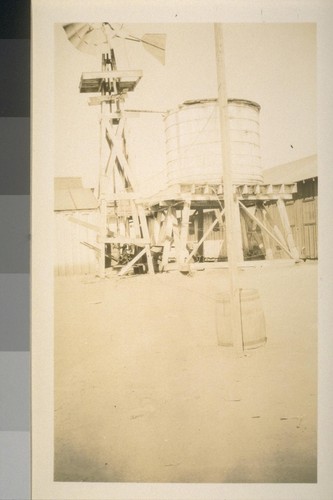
(173, 211)
(122, 236)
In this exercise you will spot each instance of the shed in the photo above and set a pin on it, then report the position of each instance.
(303, 208)
(74, 243)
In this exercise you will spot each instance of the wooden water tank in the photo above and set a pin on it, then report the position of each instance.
(193, 145)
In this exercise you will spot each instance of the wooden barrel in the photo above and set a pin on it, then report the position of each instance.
(252, 316)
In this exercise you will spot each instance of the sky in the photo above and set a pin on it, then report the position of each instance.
(271, 64)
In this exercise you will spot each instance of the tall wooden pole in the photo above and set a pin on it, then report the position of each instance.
(235, 310)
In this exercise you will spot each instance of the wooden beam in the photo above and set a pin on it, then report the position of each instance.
(157, 227)
(184, 231)
(286, 225)
(200, 221)
(135, 218)
(103, 233)
(83, 223)
(260, 224)
(92, 247)
(98, 99)
(121, 74)
(123, 240)
(167, 240)
(121, 157)
(145, 234)
(266, 239)
(175, 232)
(200, 242)
(229, 189)
(131, 263)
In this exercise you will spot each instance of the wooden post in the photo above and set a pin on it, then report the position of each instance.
(236, 321)
(157, 227)
(266, 239)
(175, 231)
(200, 219)
(145, 234)
(184, 231)
(237, 230)
(168, 238)
(245, 238)
(103, 234)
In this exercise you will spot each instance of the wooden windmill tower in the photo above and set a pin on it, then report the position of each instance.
(123, 223)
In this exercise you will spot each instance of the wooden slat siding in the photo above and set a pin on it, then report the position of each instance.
(310, 228)
(71, 257)
(295, 220)
(302, 212)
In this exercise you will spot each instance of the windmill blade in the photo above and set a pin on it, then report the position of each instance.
(155, 43)
(89, 38)
(97, 38)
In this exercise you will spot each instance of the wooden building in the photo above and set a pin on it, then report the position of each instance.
(303, 208)
(74, 243)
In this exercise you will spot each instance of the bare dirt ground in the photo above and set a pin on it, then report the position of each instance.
(143, 393)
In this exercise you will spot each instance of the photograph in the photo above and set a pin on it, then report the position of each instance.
(180, 253)
(185, 252)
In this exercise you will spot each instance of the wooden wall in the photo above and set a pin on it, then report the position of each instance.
(303, 218)
(71, 256)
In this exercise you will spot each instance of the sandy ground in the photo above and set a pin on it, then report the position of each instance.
(143, 393)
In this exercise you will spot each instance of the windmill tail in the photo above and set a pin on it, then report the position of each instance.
(155, 43)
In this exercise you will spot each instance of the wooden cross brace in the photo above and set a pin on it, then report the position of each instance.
(117, 159)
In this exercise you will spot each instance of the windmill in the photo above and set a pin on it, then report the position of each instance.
(117, 187)
(97, 38)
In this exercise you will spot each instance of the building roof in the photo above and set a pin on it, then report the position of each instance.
(287, 173)
(69, 194)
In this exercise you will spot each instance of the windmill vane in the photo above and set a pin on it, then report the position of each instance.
(95, 38)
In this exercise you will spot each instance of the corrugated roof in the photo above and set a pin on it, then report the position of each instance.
(287, 173)
(70, 195)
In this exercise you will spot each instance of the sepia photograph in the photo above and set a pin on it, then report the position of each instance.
(185, 209)
(177, 168)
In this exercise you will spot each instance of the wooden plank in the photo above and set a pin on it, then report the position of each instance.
(202, 239)
(145, 234)
(121, 74)
(267, 241)
(157, 227)
(287, 228)
(175, 232)
(121, 157)
(184, 231)
(168, 238)
(123, 240)
(103, 233)
(113, 135)
(130, 264)
(200, 221)
(83, 223)
(267, 231)
(95, 100)
(92, 247)
(244, 234)
(229, 189)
